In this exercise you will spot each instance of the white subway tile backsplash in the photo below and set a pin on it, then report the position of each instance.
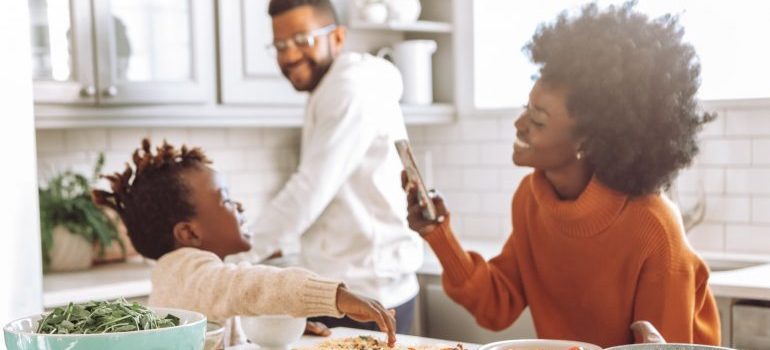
(712, 180)
(447, 178)
(462, 202)
(725, 152)
(482, 227)
(760, 210)
(85, 140)
(416, 135)
(481, 179)
(480, 130)
(281, 137)
(175, 136)
(748, 181)
(734, 209)
(511, 176)
(747, 122)
(470, 165)
(707, 237)
(496, 154)
(209, 139)
(760, 151)
(50, 141)
(246, 137)
(129, 139)
(227, 160)
(498, 203)
(747, 239)
(459, 154)
(443, 134)
(716, 127)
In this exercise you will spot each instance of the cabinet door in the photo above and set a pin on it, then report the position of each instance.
(155, 51)
(62, 59)
(249, 73)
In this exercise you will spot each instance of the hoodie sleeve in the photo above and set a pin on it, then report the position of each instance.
(197, 280)
(346, 119)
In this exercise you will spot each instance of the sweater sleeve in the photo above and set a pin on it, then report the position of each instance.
(678, 303)
(491, 291)
(197, 280)
(334, 148)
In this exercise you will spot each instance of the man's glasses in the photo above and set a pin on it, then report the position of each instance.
(300, 40)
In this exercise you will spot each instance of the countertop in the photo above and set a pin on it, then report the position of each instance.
(407, 340)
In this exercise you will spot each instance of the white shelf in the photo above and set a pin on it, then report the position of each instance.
(64, 117)
(129, 279)
(419, 26)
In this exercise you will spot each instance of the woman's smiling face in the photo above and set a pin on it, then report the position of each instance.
(544, 131)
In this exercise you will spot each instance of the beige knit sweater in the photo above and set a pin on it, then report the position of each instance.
(198, 280)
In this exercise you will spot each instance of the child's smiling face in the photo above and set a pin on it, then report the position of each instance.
(218, 224)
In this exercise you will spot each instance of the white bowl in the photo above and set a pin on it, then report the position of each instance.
(273, 332)
(538, 344)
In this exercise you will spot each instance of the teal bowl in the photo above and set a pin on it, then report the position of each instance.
(189, 335)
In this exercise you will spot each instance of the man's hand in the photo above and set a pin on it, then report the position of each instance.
(414, 207)
(317, 329)
(363, 309)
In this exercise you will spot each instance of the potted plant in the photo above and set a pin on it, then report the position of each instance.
(71, 225)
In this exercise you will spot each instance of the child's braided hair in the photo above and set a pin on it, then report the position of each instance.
(152, 197)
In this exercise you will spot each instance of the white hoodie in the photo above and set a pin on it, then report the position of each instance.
(345, 202)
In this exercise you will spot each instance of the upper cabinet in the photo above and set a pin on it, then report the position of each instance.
(249, 74)
(123, 52)
(113, 63)
(62, 52)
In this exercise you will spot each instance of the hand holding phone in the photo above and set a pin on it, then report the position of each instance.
(413, 175)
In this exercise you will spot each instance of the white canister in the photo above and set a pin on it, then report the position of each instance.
(413, 58)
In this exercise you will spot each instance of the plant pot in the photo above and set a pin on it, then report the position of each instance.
(69, 251)
(113, 253)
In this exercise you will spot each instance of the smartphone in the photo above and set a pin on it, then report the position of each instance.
(413, 175)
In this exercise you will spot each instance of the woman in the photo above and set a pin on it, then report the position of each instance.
(595, 246)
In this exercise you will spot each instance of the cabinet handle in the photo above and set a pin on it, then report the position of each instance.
(111, 91)
(88, 91)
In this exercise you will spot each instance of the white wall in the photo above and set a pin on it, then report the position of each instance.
(256, 161)
(20, 264)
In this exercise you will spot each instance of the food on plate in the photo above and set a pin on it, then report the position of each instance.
(366, 342)
(102, 317)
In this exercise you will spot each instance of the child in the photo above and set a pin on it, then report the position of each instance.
(177, 210)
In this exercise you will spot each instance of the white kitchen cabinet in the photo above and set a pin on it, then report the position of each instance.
(248, 73)
(123, 52)
(62, 52)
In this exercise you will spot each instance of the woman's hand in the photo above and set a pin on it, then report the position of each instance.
(414, 206)
(363, 309)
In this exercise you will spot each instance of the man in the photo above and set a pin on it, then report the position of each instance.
(344, 202)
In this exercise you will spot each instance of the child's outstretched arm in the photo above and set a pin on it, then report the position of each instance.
(198, 280)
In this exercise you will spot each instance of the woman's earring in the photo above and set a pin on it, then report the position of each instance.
(579, 155)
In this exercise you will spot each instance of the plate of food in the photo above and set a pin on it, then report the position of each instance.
(539, 344)
(367, 342)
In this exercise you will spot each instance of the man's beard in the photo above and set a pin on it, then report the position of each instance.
(317, 72)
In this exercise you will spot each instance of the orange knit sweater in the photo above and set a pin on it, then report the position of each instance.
(586, 268)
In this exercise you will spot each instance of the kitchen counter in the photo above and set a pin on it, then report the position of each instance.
(752, 282)
(127, 279)
(341, 332)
